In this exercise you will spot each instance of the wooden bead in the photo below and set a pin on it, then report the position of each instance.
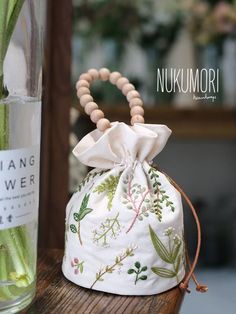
(104, 74)
(96, 115)
(83, 91)
(127, 88)
(85, 99)
(86, 77)
(121, 82)
(132, 94)
(136, 110)
(89, 107)
(103, 124)
(114, 77)
(82, 83)
(94, 73)
(135, 102)
(137, 119)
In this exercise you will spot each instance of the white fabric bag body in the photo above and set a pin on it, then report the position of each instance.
(124, 225)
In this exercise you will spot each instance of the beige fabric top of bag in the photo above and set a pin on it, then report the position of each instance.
(122, 144)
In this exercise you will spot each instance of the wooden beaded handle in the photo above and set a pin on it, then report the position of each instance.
(91, 108)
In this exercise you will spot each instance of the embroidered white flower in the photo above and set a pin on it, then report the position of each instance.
(169, 231)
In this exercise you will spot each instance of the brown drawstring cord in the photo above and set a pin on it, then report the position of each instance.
(199, 287)
(184, 284)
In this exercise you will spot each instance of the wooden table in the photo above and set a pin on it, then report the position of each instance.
(55, 294)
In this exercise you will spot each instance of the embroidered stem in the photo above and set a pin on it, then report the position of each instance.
(110, 227)
(137, 210)
(137, 270)
(78, 232)
(110, 269)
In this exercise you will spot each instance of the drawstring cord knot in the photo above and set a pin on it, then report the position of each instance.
(201, 288)
(184, 286)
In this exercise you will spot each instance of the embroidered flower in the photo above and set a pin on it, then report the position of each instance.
(77, 265)
(169, 231)
(177, 239)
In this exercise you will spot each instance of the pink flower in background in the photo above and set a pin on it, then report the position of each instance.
(225, 17)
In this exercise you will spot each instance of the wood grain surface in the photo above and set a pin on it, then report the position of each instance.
(55, 294)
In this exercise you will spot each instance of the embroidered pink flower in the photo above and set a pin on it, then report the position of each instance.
(77, 265)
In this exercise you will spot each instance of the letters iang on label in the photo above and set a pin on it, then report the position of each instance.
(15, 164)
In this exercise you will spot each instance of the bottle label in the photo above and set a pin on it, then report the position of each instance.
(19, 186)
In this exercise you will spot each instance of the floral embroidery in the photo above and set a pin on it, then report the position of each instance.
(110, 228)
(110, 269)
(138, 270)
(137, 199)
(84, 210)
(77, 265)
(109, 187)
(90, 176)
(161, 198)
(171, 255)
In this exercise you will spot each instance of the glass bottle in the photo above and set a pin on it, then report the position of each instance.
(21, 34)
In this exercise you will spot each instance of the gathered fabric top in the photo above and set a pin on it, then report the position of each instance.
(122, 145)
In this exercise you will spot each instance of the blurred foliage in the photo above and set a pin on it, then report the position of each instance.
(152, 26)
(212, 21)
(149, 23)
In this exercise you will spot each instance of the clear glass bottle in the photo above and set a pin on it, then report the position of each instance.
(20, 129)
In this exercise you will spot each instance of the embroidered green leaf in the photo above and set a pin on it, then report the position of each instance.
(144, 277)
(172, 253)
(175, 251)
(73, 228)
(109, 188)
(85, 212)
(90, 176)
(163, 272)
(137, 272)
(81, 267)
(159, 247)
(84, 203)
(160, 194)
(76, 217)
(130, 271)
(178, 260)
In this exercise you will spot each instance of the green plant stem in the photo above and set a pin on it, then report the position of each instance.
(9, 12)
(5, 292)
(4, 126)
(136, 278)
(16, 257)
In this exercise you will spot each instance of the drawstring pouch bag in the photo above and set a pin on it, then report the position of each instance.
(124, 226)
